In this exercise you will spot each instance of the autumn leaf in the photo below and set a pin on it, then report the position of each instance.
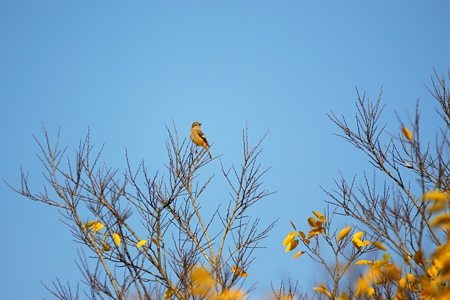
(97, 226)
(441, 220)
(116, 239)
(364, 262)
(322, 289)
(94, 225)
(168, 294)
(105, 246)
(291, 246)
(436, 195)
(343, 233)
(379, 245)
(288, 239)
(238, 271)
(298, 254)
(320, 216)
(407, 134)
(141, 243)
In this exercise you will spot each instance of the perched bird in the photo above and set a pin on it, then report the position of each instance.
(198, 137)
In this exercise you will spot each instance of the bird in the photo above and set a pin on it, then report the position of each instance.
(198, 137)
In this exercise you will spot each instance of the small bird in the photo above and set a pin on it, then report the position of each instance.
(198, 137)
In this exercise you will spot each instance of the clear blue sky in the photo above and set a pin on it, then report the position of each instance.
(128, 68)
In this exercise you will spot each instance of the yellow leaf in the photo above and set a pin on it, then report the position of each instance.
(116, 239)
(402, 283)
(97, 226)
(238, 271)
(141, 243)
(105, 246)
(364, 262)
(233, 294)
(418, 256)
(441, 219)
(379, 245)
(168, 294)
(410, 277)
(291, 246)
(436, 195)
(243, 273)
(90, 224)
(288, 239)
(315, 231)
(312, 222)
(407, 133)
(437, 205)
(298, 254)
(433, 271)
(322, 289)
(302, 234)
(320, 216)
(358, 235)
(343, 233)
(344, 296)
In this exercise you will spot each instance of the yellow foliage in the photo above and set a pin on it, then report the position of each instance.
(168, 294)
(94, 225)
(343, 233)
(322, 289)
(238, 271)
(436, 195)
(204, 286)
(291, 246)
(141, 243)
(357, 242)
(116, 239)
(320, 216)
(407, 134)
(442, 219)
(289, 238)
(315, 231)
(312, 222)
(105, 247)
(364, 262)
(437, 205)
(379, 245)
(298, 254)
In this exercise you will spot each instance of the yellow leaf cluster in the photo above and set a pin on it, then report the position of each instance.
(94, 226)
(322, 289)
(379, 272)
(238, 271)
(436, 195)
(204, 286)
(357, 241)
(317, 225)
(434, 285)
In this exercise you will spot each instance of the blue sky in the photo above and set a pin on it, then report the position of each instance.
(127, 69)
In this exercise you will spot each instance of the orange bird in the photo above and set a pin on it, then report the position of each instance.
(198, 137)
